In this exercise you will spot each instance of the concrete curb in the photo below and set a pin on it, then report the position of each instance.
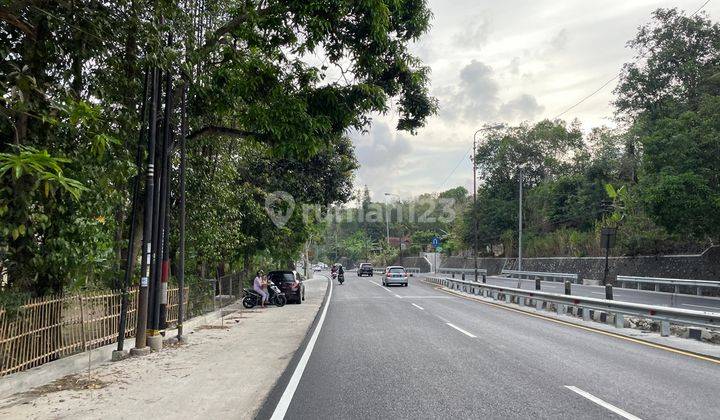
(673, 342)
(38, 376)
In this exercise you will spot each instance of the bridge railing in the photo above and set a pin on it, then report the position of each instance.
(580, 305)
(532, 275)
(699, 285)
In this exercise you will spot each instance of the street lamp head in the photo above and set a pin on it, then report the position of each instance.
(489, 128)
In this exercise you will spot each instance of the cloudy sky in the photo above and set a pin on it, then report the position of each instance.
(509, 61)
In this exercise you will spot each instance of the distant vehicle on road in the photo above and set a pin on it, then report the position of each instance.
(395, 274)
(291, 283)
(365, 269)
(317, 268)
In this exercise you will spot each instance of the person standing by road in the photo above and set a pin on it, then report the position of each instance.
(259, 285)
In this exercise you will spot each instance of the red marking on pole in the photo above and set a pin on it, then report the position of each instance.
(165, 271)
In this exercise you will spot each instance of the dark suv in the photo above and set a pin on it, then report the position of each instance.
(365, 269)
(291, 283)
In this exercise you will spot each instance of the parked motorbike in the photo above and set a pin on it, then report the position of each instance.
(251, 298)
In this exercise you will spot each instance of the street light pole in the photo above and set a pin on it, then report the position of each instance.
(520, 217)
(475, 220)
(387, 222)
(474, 213)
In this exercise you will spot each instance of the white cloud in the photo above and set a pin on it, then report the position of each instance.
(504, 62)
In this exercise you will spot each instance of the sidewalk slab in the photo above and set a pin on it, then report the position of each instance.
(225, 370)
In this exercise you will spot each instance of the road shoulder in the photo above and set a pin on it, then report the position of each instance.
(689, 347)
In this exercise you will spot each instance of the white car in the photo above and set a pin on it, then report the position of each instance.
(395, 274)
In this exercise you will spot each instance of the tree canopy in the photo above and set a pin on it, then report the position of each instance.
(264, 114)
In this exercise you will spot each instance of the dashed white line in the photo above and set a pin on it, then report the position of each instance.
(385, 289)
(418, 306)
(287, 396)
(620, 412)
(460, 329)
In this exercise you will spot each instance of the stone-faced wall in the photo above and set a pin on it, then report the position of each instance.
(705, 266)
(414, 262)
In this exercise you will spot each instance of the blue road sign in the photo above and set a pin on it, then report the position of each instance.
(435, 242)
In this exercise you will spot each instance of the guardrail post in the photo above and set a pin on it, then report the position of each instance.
(657, 286)
(560, 308)
(608, 292)
(568, 287)
(585, 314)
(538, 304)
(452, 274)
(677, 288)
(619, 320)
(463, 276)
(699, 292)
(664, 328)
(507, 298)
(484, 280)
(537, 284)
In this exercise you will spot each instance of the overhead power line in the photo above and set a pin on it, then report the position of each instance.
(604, 85)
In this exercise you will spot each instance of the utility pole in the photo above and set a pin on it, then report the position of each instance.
(143, 294)
(181, 257)
(133, 216)
(520, 218)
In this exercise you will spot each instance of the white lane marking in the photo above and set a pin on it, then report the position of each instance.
(385, 289)
(287, 396)
(418, 306)
(701, 306)
(598, 401)
(598, 293)
(460, 329)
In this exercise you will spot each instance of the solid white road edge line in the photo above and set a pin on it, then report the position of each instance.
(418, 306)
(461, 330)
(287, 396)
(598, 401)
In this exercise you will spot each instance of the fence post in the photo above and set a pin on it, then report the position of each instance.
(568, 290)
(537, 284)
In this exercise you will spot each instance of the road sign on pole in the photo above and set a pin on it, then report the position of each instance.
(435, 242)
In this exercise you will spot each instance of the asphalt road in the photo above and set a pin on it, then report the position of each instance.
(692, 302)
(417, 352)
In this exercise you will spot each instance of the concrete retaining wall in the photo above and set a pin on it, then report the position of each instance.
(705, 266)
(414, 262)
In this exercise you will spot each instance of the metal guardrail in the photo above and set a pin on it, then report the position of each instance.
(581, 305)
(532, 275)
(657, 281)
(463, 272)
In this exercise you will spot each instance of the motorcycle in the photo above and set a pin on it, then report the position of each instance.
(338, 277)
(251, 298)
